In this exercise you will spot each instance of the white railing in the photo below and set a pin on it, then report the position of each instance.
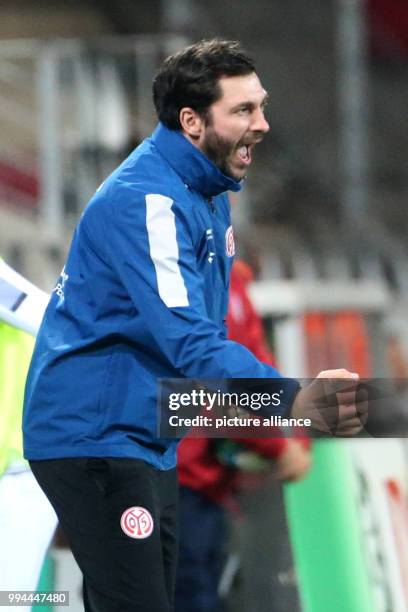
(69, 111)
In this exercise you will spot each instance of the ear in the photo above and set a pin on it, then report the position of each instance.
(191, 123)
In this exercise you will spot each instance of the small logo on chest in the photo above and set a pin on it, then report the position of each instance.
(229, 242)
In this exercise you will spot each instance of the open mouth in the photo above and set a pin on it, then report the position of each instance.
(244, 154)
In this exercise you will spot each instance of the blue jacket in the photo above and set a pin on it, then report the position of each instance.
(143, 296)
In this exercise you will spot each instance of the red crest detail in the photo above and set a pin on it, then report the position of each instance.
(137, 522)
(229, 242)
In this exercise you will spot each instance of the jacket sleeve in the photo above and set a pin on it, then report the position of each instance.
(151, 250)
(22, 304)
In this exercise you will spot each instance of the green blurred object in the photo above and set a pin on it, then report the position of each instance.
(326, 534)
(235, 455)
(47, 581)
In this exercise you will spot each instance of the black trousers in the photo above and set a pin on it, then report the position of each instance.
(120, 517)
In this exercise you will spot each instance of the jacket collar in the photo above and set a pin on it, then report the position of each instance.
(193, 167)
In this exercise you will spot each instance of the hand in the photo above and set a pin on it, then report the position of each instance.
(331, 405)
(294, 463)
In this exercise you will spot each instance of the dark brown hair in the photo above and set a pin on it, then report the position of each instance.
(190, 78)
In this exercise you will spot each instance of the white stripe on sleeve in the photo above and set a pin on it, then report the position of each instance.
(161, 229)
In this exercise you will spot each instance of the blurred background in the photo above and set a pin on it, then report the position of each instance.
(321, 221)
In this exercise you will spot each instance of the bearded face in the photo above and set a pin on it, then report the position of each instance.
(234, 124)
(231, 156)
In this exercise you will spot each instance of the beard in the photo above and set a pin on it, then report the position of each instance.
(220, 150)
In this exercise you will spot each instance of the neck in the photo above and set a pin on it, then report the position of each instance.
(194, 140)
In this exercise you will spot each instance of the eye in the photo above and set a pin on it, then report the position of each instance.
(243, 111)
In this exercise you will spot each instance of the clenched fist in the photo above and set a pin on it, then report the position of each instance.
(331, 403)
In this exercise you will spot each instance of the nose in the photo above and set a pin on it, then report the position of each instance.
(259, 123)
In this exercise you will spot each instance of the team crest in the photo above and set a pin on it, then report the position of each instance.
(137, 522)
(229, 242)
